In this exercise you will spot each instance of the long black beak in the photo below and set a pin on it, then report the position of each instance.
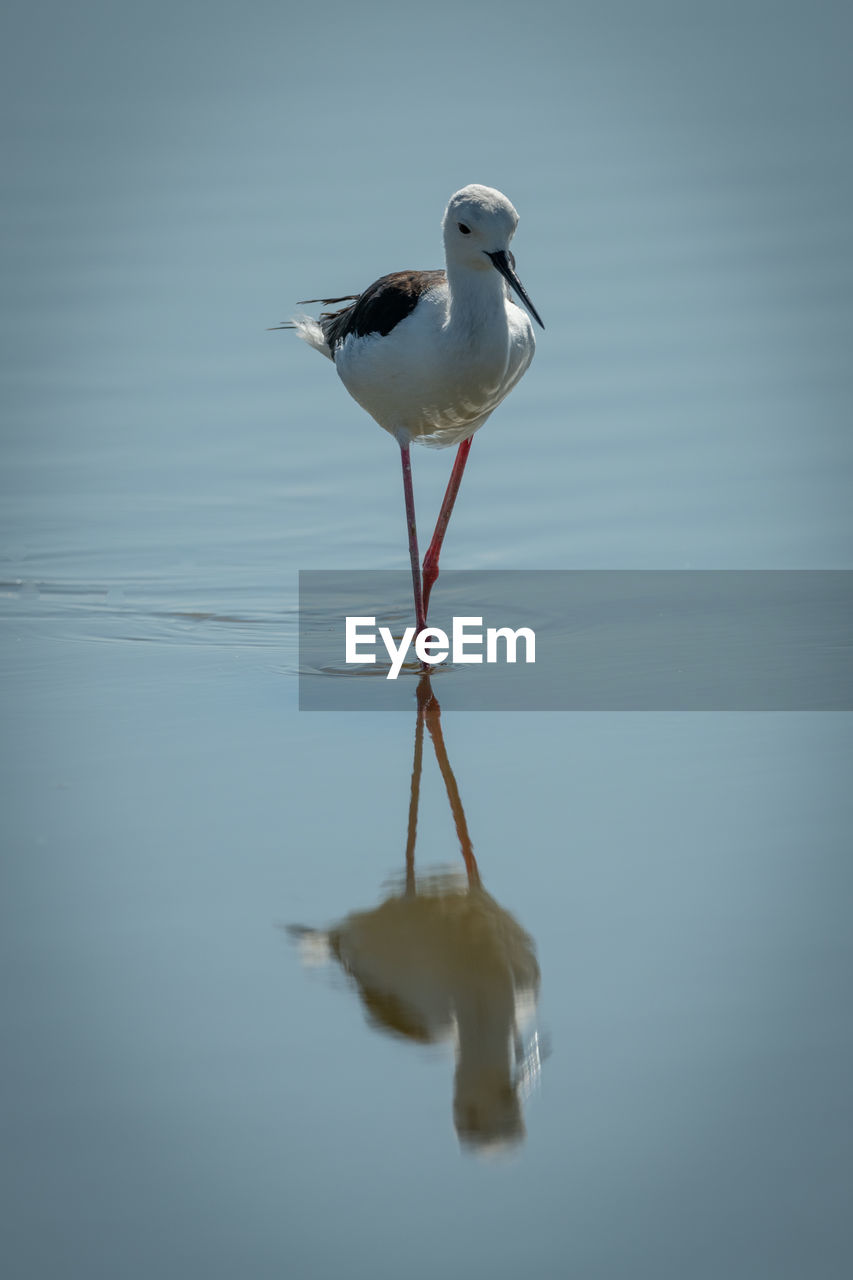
(505, 263)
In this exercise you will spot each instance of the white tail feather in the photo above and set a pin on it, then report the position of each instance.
(309, 331)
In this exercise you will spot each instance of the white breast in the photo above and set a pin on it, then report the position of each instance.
(432, 380)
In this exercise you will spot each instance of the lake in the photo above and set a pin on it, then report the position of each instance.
(407, 988)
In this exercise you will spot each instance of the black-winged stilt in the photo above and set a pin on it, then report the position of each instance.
(430, 354)
(441, 959)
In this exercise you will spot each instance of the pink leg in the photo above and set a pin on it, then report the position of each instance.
(409, 494)
(433, 723)
(424, 694)
(434, 549)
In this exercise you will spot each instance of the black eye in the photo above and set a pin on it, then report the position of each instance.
(466, 231)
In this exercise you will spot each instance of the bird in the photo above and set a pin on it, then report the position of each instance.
(430, 354)
(440, 959)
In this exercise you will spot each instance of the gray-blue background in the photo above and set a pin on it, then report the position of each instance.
(181, 1098)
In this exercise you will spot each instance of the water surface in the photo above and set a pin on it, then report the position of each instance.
(182, 1096)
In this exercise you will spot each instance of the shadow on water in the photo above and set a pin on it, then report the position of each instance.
(440, 959)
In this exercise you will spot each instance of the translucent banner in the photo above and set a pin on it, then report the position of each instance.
(597, 640)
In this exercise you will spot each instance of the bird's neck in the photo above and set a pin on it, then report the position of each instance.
(485, 1020)
(477, 300)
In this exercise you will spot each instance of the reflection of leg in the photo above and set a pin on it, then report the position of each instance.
(409, 495)
(434, 549)
(433, 722)
(417, 765)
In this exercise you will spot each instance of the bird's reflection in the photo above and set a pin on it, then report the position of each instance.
(441, 959)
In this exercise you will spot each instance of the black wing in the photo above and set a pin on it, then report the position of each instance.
(380, 308)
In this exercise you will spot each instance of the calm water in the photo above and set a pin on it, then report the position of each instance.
(192, 1090)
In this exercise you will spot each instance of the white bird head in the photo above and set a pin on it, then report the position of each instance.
(478, 225)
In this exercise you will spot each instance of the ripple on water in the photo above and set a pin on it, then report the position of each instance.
(99, 612)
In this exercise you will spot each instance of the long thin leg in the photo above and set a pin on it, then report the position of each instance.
(409, 494)
(424, 693)
(433, 723)
(434, 549)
